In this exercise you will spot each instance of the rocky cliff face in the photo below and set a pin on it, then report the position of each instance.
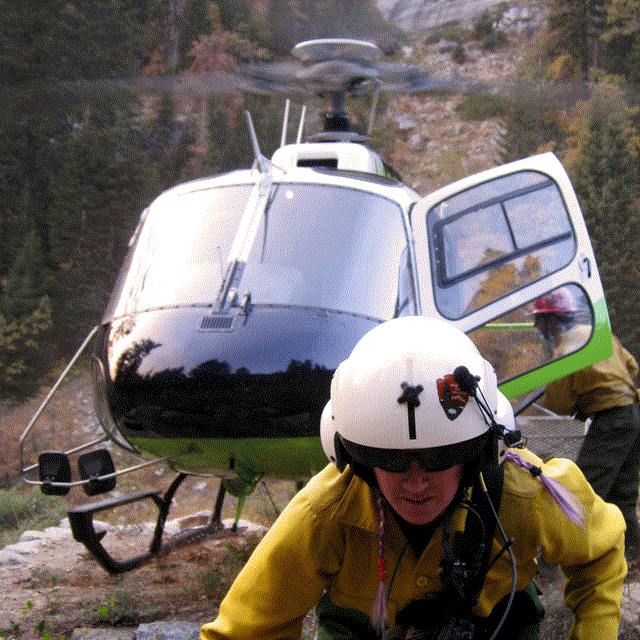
(433, 145)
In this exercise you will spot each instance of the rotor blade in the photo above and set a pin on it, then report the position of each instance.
(425, 83)
(299, 82)
(275, 78)
(397, 77)
(196, 84)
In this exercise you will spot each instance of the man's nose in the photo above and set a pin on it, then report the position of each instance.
(415, 476)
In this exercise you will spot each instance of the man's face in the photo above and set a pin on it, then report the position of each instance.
(416, 495)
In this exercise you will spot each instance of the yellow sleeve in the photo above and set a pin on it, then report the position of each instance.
(283, 579)
(592, 557)
(560, 396)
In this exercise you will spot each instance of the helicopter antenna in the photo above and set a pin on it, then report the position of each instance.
(285, 123)
(301, 125)
(372, 115)
(263, 162)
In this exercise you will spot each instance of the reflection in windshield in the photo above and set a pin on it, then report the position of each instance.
(497, 238)
(545, 329)
(318, 246)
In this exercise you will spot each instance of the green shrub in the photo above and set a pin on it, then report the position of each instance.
(493, 41)
(459, 55)
(121, 609)
(481, 107)
(24, 510)
(448, 31)
(483, 25)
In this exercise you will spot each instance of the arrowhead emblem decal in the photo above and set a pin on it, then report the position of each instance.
(452, 399)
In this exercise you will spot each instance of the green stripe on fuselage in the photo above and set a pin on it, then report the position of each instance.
(283, 457)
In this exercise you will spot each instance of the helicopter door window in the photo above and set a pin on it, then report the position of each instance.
(496, 238)
(523, 340)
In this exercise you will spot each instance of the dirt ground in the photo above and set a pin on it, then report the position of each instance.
(63, 588)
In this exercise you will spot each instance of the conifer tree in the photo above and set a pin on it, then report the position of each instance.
(572, 20)
(621, 48)
(168, 148)
(98, 195)
(25, 282)
(605, 181)
(25, 319)
(530, 123)
(194, 22)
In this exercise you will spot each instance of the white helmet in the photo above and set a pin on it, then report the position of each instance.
(408, 385)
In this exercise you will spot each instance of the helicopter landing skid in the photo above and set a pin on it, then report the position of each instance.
(83, 530)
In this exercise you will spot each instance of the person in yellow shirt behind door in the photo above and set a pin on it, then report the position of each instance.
(605, 392)
(427, 521)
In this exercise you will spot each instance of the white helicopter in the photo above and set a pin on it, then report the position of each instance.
(241, 293)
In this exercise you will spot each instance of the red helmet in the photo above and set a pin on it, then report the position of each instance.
(557, 301)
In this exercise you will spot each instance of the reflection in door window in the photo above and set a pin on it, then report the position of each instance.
(537, 215)
(476, 239)
(552, 326)
(496, 238)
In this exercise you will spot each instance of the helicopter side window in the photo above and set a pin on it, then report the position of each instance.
(180, 253)
(496, 238)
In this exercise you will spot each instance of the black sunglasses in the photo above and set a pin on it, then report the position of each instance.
(399, 460)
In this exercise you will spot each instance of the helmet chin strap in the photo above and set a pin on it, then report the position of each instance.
(501, 436)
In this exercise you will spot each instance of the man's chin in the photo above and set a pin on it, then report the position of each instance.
(418, 513)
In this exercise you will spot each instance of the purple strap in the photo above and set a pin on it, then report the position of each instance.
(567, 501)
(379, 613)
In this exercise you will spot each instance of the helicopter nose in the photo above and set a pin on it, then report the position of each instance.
(180, 375)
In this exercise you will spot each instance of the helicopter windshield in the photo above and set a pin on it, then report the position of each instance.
(317, 245)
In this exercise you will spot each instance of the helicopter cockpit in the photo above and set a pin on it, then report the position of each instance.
(298, 257)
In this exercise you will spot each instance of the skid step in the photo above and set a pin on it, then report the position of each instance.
(83, 529)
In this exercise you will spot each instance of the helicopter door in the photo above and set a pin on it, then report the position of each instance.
(491, 247)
